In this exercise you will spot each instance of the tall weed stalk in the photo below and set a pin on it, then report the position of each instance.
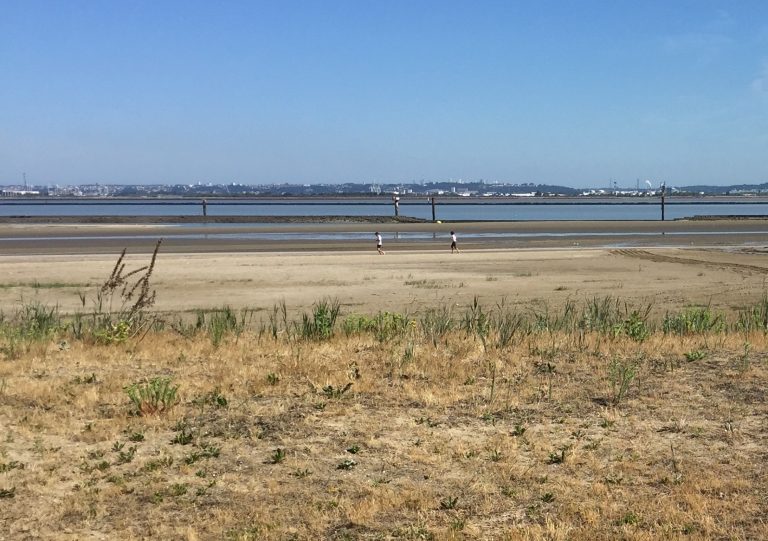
(121, 306)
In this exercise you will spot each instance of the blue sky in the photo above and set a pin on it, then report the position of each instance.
(577, 93)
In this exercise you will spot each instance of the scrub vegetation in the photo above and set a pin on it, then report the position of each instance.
(591, 420)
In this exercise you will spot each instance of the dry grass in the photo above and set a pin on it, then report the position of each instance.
(446, 442)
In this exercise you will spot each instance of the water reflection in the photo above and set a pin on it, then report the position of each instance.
(353, 236)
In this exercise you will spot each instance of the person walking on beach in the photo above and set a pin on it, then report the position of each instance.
(454, 248)
(378, 244)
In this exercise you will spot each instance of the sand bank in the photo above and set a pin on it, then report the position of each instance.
(65, 239)
(402, 281)
(529, 264)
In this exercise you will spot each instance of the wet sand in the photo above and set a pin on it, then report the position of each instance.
(670, 264)
(67, 238)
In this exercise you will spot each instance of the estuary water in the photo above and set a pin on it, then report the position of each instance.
(471, 210)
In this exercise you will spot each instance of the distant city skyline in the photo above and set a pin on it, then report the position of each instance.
(577, 94)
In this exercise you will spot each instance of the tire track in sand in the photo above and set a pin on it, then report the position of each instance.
(660, 258)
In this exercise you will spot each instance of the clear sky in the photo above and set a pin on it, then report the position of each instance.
(577, 93)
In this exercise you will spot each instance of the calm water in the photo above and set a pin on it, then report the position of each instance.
(367, 236)
(476, 210)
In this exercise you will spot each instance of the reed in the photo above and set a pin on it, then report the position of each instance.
(321, 323)
(694, 320)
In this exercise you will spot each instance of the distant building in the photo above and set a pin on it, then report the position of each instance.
(9, 192)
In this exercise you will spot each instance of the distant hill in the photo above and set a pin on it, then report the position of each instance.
(445, 189)
(346, 189)
(734, 189)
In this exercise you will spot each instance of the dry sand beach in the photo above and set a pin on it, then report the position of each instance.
(720, 262)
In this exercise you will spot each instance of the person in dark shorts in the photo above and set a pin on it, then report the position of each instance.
(378, 244)
(454, 248)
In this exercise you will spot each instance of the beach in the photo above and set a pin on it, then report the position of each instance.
(103, 235)
(721, 263)
(554, 387)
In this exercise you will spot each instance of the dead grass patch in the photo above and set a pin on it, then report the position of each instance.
(400, 438)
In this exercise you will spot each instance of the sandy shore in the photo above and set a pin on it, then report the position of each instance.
(110, 238)
(531, 264)
(401, 281)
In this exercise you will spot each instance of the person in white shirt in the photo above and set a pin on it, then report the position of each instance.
(454, 248)
(378, 244)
